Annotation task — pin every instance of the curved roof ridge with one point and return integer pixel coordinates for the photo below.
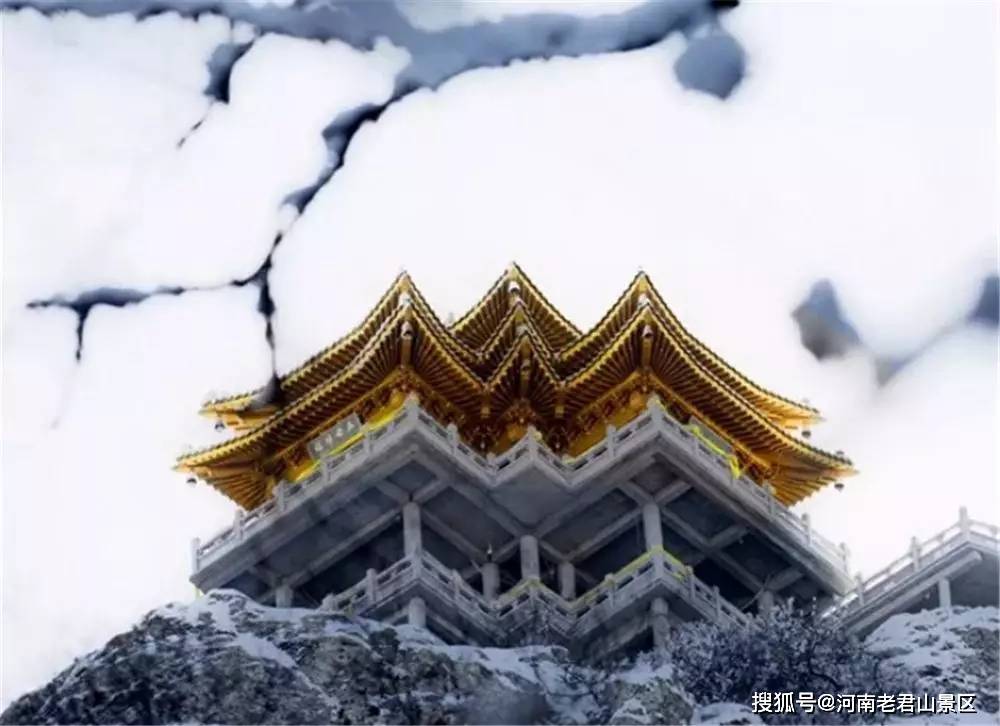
(807, 412)
(515, 274)
(460, 371)
(218, 405)
(707, 378)
(384, 329)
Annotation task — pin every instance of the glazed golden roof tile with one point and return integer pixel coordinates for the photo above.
(479, 323)
(512, 360)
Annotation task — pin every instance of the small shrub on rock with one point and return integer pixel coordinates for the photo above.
(787, 651)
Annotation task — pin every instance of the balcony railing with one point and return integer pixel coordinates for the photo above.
(512, 609)
(920, 557)
(492, 470)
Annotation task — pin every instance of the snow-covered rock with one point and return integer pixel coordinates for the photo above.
(951, 651)
(725, 714)
(646, 693)
(226, 659)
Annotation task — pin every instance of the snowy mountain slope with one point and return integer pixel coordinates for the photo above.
(952, 651)
(226, 659)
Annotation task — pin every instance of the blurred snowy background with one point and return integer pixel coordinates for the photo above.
(811, 185)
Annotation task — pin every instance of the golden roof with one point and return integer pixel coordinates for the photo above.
(512, 361)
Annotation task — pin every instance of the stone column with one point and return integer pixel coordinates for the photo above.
(859, 588)
(567, 580)
(530, 563)
(283, 596)
(964, 524)
(765, 602)
(491, 580)
(412, 538)
(658, 614)
(195, 547)
(944, 593)
(915, 553)
(651, 526)
(416, 613)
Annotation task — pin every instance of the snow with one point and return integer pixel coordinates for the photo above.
(218, 200)
(499, 660)
(100, 108)
(440, 15)
(716, 713)
(843, 155)
(677, 187)
(931, 638)
(932, 430)
(96, 525)
(214, 609)
(943, 719)
(89, 110)
(39, 348)
(645, 669)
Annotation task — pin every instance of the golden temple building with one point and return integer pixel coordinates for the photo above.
(513, 361)
(467, 477)
(510, 362)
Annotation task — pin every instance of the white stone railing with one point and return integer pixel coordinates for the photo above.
(490, 470)
(638, 577)
(920, 556)
(510, 610)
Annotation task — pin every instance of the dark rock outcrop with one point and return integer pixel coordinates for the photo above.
(226, 659)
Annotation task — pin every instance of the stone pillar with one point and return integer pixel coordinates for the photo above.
(658, 612)
(195, 554)
(845, 555)
(964, 524)
(530, 563)
(491, 580)
(283, 596)
(238, 524)
(416, 613)
(765, 603)
(651, 526)
(412, 538)
(567, 580)
(915, 552)
(944, 593)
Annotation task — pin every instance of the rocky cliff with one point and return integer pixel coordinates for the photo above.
(226, 659)
(951, 651)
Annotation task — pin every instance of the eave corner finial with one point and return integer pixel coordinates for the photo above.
(642, 281)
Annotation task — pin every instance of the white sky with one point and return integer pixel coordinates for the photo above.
(861, 147)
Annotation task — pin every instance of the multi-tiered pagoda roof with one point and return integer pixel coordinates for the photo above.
(512, 362)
